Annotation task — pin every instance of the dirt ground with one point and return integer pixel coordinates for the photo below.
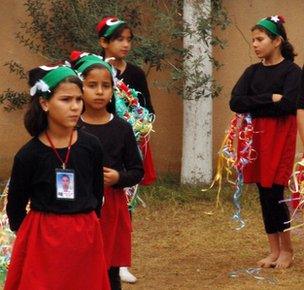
(178, 246)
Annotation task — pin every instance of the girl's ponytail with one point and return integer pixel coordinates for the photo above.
(287, 50)
(35, 119)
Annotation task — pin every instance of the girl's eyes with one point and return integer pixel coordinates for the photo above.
(257, 39)
(129, 39)
(92, 85)
(68, 99)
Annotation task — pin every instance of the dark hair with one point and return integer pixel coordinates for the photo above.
(65, 175)
(117, 33)
(35, 119)
(111, 105)
(286, 47)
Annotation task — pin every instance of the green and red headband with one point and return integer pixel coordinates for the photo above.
(51, 79)
(271, 24)
(108, 25)
(84, 60)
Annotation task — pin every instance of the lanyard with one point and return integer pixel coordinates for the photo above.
(67, 156)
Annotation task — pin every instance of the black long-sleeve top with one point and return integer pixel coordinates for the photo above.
(136, 79)
(33, 179)
(253, 91)
(120, 149)
(300, 103)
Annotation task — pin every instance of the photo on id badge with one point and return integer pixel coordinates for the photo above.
(65, 184)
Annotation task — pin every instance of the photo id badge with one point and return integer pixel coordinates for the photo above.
(65, 184)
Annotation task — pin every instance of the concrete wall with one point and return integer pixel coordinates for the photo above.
(167, 139)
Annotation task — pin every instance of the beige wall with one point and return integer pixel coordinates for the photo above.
(167, 139)
(12, 134)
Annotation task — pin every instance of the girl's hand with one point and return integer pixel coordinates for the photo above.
(276, 98)
(110, 176)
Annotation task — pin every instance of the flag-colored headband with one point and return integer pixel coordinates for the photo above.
(84, 60)
(50, 81)
(90, 59)
(271, 24)
(108, 25)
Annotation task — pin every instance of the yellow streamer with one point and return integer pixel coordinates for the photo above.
(224, 164)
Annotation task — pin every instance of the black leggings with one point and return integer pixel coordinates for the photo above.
(114, 278)
(275, 214)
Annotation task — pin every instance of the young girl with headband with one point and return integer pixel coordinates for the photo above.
(115, 39)
(268, 90)
(59, 243)
(122, 162)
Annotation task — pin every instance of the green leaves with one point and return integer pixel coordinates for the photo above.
(55, 27)
(13, 100)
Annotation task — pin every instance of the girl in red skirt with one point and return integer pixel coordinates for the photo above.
(269, 91)
(59, 244)
(122, 162)
(115, 39)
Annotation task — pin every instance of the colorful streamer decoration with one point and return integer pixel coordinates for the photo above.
(133, 198)
(127, 107)
(296, 186)
(235, 153)
(7, 237)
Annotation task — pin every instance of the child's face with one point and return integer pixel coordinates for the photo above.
(119, 47)
(65, 181)
(97, 89)
(263, 46)
(65, 105)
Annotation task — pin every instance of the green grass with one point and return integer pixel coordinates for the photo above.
(169, 189)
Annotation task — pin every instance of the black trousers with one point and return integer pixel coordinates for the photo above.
(114, 278)
(275, 214)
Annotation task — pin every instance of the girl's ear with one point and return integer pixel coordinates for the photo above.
(277, 41)
(103, 42)
(44, 104)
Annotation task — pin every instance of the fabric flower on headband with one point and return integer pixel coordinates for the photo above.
(40, 86)
(275, 18)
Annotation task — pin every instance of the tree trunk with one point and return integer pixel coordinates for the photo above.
(197, 118)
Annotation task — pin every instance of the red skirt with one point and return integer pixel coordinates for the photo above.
(150, 173)
(116, 228)
(58, 252)
(275, 143)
